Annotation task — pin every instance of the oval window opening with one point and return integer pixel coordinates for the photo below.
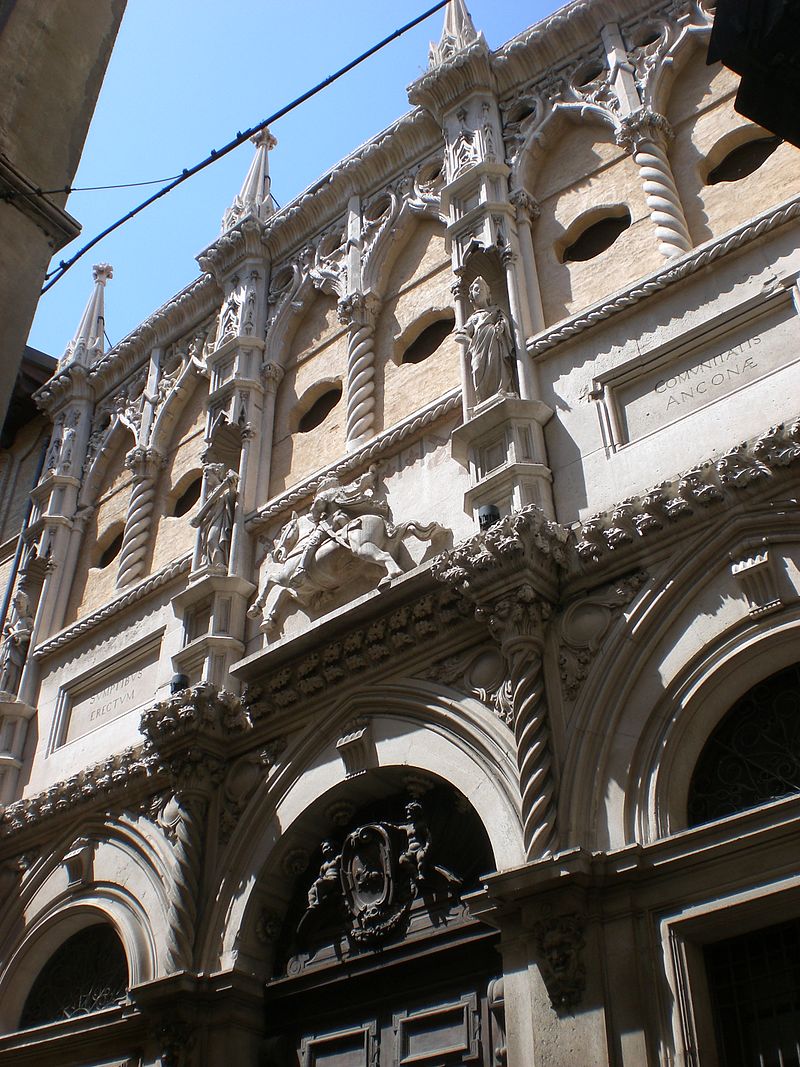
(743, 161)
(596, 238)
(189, 497)
(111, 551)
(431, 338)
(320, 409)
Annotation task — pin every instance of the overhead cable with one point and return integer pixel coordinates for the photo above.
(215, 154)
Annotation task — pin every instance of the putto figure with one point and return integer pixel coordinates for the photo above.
(215, 517)
(486, 335)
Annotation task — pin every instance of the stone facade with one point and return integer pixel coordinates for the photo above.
(386, 592)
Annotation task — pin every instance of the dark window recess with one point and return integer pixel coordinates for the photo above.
(189, 497)
(754, 983)
(596, 238)
(431, 338)
(320, 409)
(89, 972)
(753, 756)
(111, 551)
(744, 160)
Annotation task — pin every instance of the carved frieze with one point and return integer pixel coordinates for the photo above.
(688, 496)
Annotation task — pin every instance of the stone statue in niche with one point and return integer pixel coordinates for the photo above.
(345, 525)
(16, 638)
(380, 871)
(215, 517)
(486, 335)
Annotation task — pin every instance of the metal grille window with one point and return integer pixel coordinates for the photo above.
(754, 754)
(88, 972)
(754, 982)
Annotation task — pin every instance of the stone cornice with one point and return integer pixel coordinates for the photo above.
(98, 618)
(689, 264)
(194, 303)
(669, 509)
(523, 546)
(468, 71)
(247, 239)
(381, 446)
(369, 646)
(71, 383)
(18, 190)
(572, 29)
(409, 140)
(116, 776)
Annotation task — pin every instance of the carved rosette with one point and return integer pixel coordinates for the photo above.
(646, 135)
(357, 311)
(145, 464)
(517, 623)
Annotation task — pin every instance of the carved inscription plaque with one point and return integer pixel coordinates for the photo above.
(113, 693)
(708, 370)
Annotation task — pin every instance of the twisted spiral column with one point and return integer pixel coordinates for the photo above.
(646, 134)
(357, 311)
(145, 465)
(186, 873)
(534, 760)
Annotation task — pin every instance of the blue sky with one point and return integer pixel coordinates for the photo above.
(184, 77)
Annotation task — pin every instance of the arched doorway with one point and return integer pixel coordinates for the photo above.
(377, 961)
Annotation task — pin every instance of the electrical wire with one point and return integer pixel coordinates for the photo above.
(100, 188)
(64, 265)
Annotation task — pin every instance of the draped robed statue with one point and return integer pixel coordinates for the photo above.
(486, 335)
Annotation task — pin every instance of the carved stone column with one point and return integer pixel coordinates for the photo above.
(145, 464)
(272, 373)
(646, 135)
(510, 573)
(517, 623)
(190, 733)
(527, 211)
(357, 311)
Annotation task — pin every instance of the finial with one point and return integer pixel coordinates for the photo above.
(459, 32)
(88, 344)
(254, 197)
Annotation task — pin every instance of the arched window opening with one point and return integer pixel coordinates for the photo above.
(753, 756)
(744, 160)
(188, 497)
(88, 973)
(596, 238)
(320, 409)
(110, 549)
(431, 338)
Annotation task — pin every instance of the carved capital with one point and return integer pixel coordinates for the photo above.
(272, 374)
(191, 732)
(517, 620)
(144, 462)
(527, 207)
(643, 125)
(358, 309)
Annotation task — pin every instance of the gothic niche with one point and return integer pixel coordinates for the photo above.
(395, 872)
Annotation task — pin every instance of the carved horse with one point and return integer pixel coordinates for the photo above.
(293, 573)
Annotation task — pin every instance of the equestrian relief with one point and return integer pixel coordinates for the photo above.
(346, 536)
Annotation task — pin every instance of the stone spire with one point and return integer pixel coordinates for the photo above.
(88, 344)
(459, 32)
(254, 197)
